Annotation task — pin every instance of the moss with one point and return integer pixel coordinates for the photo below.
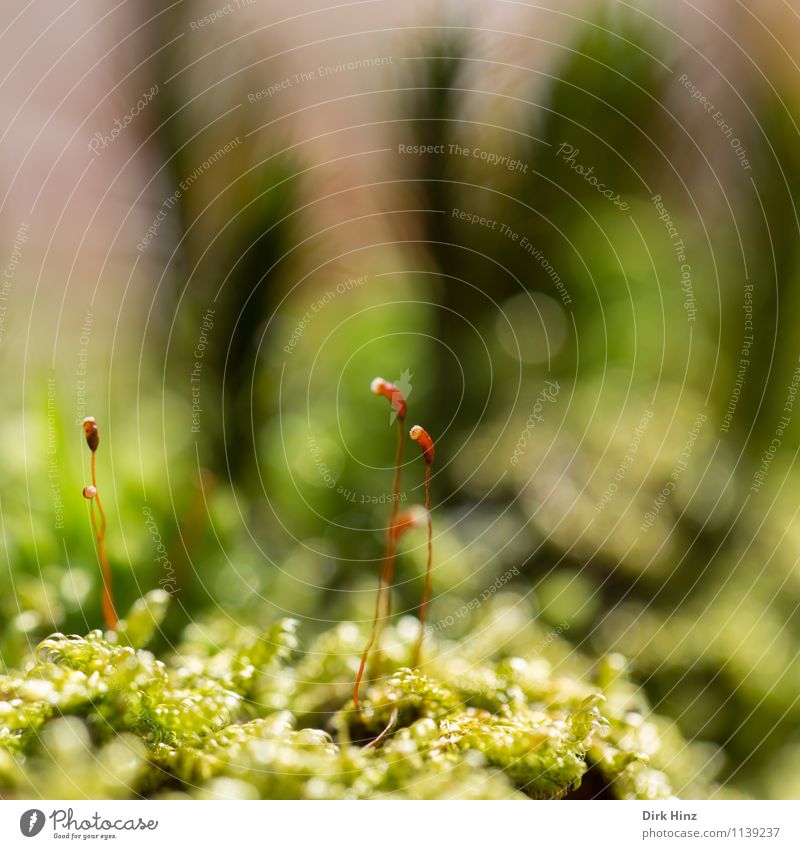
(256, 718)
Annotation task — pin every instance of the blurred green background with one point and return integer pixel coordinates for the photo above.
(590, 278)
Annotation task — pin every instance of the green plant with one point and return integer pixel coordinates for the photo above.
(495, 718)
(241, 720)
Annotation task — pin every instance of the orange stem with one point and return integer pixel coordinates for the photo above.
(391, 545)
(386, 572)
(371, 640)
(423, 610)
(109, 612)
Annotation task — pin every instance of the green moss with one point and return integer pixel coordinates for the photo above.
(234, 712)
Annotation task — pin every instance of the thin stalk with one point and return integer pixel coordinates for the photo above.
(372, 635)
(386, 573)
(109, 613)
(422, 437)
(373, 744)
(391, 543)
(92, 435)
(426, 595)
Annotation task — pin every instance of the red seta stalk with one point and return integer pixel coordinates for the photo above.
(408, 519)
(387, 569)
(92, 495)
(388, 390)
(421, 436)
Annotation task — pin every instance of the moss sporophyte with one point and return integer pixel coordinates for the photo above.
(234, 710)
(388, 390)
(399, 523)
(421, 436)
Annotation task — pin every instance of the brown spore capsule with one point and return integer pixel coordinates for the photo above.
(91, 433)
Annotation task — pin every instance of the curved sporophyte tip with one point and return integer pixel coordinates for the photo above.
(388, 390)
(421, 436)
